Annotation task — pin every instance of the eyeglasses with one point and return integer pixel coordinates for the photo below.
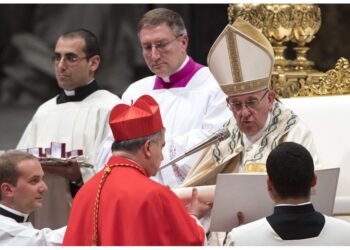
(161, 47)
(70, 59)
(250, 104)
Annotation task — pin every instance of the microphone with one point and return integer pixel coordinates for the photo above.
(218, 136)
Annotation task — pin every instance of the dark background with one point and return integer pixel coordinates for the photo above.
(28, 33)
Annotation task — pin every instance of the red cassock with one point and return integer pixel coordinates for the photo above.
(133, 211)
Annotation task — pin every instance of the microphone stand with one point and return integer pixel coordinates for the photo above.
(218, 136)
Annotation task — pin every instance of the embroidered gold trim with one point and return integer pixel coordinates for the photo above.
(231, 89)
(235, 64)
(97, 206)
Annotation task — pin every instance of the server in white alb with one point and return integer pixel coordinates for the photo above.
(290, 170)
(78, 116)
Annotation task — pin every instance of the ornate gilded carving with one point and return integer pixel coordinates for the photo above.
(335, 82)
(307, 22)
(297, 23)
(248, 12)
(278, 25)
(278, 22)
(307, 18)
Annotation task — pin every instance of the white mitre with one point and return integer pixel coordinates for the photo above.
(241, 59)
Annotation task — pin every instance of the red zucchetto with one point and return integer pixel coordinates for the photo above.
(140, 119)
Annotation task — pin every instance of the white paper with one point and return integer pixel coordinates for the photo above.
(57, 150)
(37, 152)
(247, 192)
(205, 193)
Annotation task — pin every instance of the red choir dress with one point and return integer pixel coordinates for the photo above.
(133, 210)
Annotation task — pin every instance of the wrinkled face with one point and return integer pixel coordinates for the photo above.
(72, 68)
(251, 110)
(29, 190)
(156, 155)
(162, 50)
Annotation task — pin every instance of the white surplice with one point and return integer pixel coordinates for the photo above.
(13, 233)
(190, 114)
(260, 233)
(81, 125)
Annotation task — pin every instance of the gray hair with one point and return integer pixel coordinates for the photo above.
(135, 144)
(158, 16)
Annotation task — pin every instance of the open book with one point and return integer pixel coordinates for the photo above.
(247, 192)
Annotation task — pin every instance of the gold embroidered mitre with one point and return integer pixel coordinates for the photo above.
(241, 59)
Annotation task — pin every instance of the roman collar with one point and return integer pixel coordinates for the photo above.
(77, 94)
(181, 78)
(296, 222)
(11, 213)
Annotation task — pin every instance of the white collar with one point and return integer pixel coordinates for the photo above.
(167, 78)
(301, 204)
(72, 92)
(15, 211)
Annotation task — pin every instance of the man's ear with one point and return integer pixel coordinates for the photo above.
(147, 148)
(314, 180)
(7, 190)
(272, 95)
(94, 62)
(184, 41)
(271, 189)
(268, 184)
(271, 98)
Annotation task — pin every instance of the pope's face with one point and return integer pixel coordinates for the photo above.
(163, 51)
(253, 112)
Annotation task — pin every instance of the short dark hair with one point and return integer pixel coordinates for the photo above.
(8, 165)
(290, 168)
(135, 144)
(158, 16)
(92, 47)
